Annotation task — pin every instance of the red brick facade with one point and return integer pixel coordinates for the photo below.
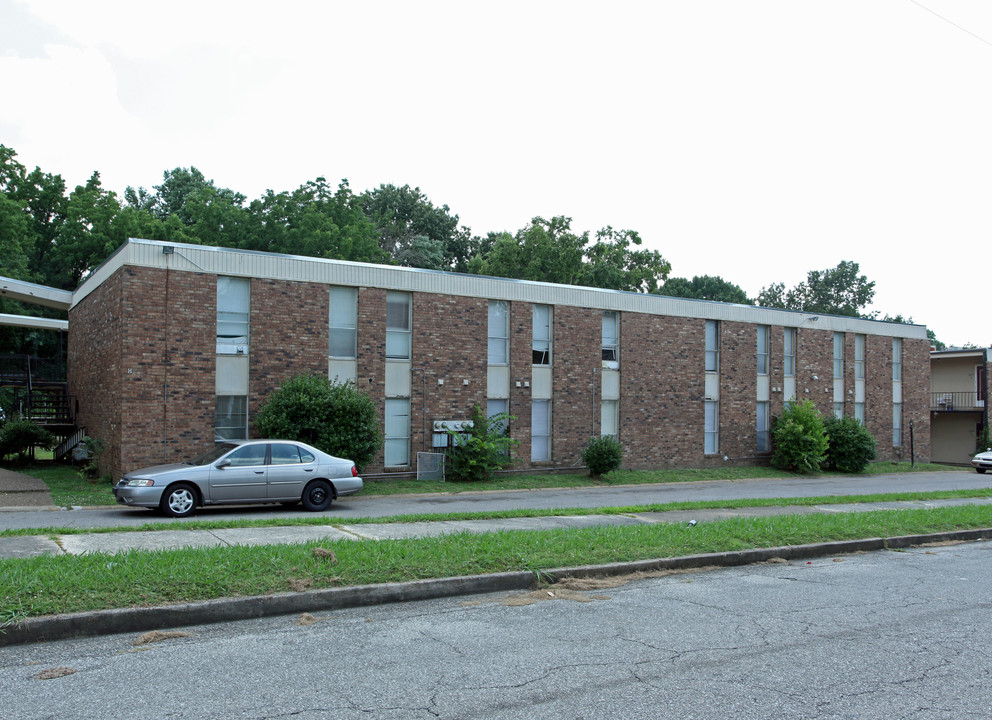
(142, 356)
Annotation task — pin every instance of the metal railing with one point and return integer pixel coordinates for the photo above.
(956, 401)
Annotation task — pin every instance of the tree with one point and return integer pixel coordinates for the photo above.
(705, 287)
(179, 186)
(403, 214)
(549, 251)
(332, 416)
(834, 291)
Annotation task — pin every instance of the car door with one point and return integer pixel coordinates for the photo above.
(240, 475)
(290, 469)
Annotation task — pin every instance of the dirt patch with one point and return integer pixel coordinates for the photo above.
(53, 673)
(325, 554)
(942, 543)
(300, 584)
(308, 619)
(159, 636)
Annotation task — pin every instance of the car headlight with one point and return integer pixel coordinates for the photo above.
(140, 482)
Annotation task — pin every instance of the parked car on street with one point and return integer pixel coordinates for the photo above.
(242, 471)
(982, 461)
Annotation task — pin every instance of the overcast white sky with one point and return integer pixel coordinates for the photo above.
(751, 139)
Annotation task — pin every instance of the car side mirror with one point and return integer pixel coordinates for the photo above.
(223, 463)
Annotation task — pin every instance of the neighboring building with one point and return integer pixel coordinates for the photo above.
(173, 345)
(959, 410)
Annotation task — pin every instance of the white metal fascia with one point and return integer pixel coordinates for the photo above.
(33, 322)
(244, 263)
(35, 294)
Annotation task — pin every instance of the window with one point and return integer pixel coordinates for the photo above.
(609, 418)
(248, 456)
(789, 352)
(284, 454)
(496, 407)
(397, 432)
(542, 335)
(540, 430)
(712, 346)
(764, 439)
(711, 444)
(859, 412)
(839, 410)
(342, 339)
(233, 298)
(499, 332)
(762, 349)
(896, 424)
(859, 357)
(611, 340)
(398, 325)
(231, 417)
(896, 359)
(838, 356)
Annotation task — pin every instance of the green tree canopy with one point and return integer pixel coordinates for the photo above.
(834, 291)
(705, 287)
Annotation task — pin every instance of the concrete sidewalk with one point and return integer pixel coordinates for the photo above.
(20, 490)
(116, 542)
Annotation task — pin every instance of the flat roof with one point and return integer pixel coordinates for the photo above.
(244, 263)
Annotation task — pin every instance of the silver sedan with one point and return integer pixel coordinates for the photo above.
(982, 461)
(242, 471)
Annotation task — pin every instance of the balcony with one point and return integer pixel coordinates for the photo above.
(956, 402)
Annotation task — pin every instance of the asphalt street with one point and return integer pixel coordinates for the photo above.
(871, 636)
(361, 506)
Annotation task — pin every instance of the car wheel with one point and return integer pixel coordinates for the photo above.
(980, 471)
(317, 496)
(179, 500)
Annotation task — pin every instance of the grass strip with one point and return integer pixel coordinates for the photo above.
(68, 488)
(71, 583)
(324, 519)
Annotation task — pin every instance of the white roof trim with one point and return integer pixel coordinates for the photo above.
(225, 261)
(35, 294)
(33, 322)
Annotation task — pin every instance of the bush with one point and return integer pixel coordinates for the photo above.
(480, 450)
(851, 446)
(602, 455)
(18, 437)
(799, 440)
(332, 416)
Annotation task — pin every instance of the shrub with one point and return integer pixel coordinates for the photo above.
(602, 455)
(799, 439)
(480, 450)
(332, 416)
(851, 446)
(18, 437)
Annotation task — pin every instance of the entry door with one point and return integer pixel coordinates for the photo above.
(243, 479)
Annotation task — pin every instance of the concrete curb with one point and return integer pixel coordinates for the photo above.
(106, 622)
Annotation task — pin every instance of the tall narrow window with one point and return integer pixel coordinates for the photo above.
(397, 432)
(499, 332)
(542, 335)
(764, 440)
(233, 298)
(231, 417)
(838, 356)
(711, 443)
(896, 424)
(789, 352)
(609, 418)
(712, 346)
(896, 359)
(398, 325)
(540, 429)
(897, 392)
(343, 323)
(611, 340)
(762, 349)
(859, 357)
(859, 412)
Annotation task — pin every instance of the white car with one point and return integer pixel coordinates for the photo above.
(242, 471)
(982, 461)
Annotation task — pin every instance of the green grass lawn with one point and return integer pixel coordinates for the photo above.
(70, 583)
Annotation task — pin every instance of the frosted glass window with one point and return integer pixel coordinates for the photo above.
(763, 427)
(499, 332)
(789, 352)
(609, 418)
(897, 424)
(540, 428)
(398, 325)
(343, 323)
(897, 358)
(762, 349)
(859, 357)
(838, 356)
(233, 298)
(397, 432)
(712, 346)
(712, 428)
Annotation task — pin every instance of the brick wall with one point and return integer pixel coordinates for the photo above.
(738, 389)
(576, 361)
(815, 368)
(521, 336)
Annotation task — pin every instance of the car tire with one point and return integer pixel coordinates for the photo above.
(980, 471)
(317, 496)
(179, 500)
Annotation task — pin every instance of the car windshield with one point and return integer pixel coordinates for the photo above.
(213, 453)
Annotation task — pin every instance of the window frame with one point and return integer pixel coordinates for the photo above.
(541, 347)
(493, 333)
(231, 315)
(789, 352)
(763, 354)
(347, 296)
(611, 343)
